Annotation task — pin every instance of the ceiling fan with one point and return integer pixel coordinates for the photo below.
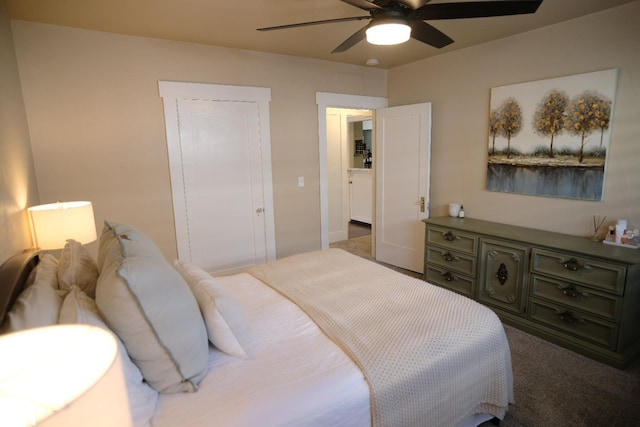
(408, 17)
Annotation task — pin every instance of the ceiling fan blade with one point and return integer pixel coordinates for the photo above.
(363, 4)
(306, 24)
(476, 9)
(356, 38)
(428, 34)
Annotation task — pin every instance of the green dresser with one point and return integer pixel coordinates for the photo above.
(580, 294)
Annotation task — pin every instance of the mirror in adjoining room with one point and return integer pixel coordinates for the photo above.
(362, 150)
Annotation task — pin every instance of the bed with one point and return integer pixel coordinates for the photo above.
(315, 339)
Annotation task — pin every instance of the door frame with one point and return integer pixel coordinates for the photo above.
(326, 100)
(171, 92)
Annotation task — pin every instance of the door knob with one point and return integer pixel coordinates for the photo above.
(422, 204)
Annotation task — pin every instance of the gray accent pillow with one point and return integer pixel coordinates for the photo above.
(140, 242)
(146, 302)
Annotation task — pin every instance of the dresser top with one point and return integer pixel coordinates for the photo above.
(547, 239)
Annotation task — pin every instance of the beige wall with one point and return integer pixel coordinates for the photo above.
(97, 126)
(97, 129)
(18, 188)
(459, 83)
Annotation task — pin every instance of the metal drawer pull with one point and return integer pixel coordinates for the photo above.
(573, 265)
(572, 292)
(449, 236)
(448, 257)
(568, 317)
(448, 276)
(502, 274)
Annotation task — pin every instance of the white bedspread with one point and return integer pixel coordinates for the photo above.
(431, 357)
(298, 377)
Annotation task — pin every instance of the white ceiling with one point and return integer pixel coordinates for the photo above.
(233, 23)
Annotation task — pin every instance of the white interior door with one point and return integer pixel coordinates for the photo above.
(402, 162)
(221, 181)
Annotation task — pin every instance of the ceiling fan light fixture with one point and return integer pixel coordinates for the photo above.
(389, 32)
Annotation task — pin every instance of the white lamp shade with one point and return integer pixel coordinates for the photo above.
(64, 375)
(388, 33)
(52, 224)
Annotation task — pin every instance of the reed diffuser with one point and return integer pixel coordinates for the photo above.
(597, 223)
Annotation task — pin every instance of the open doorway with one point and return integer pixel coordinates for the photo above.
(332, 177)
(350, 176)
(360, 184)
(401, 177)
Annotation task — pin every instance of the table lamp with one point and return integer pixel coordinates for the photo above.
(63, 375)
(52, 224)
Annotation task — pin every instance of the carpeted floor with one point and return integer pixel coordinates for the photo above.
(361, 246)
(553, 386)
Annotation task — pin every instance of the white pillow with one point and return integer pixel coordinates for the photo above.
(78, 308)
(151, 309)
(227, 326)
(76, 267)
(39, 304)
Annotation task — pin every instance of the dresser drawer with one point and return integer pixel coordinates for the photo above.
(574, 322)
(448, 279)
(452, 239)
(452, 260)
(576, 269)
(576, 296)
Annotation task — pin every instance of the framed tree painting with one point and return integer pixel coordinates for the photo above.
(550, 137)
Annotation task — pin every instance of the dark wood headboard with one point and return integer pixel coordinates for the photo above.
(13, 276)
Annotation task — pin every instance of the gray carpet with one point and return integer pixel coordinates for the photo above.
(553, 386)
(361, 246)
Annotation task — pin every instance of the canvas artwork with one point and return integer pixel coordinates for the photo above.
(550, 137)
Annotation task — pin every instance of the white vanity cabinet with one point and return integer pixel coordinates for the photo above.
(360, 195)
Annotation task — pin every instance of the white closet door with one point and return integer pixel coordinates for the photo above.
(221, 190)
(222, 183)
